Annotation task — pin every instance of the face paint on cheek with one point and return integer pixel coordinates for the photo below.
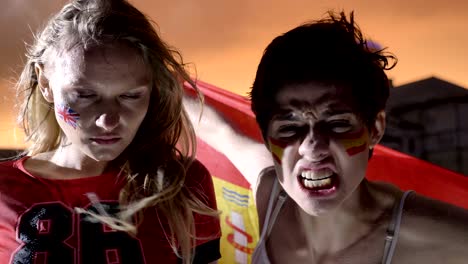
(277, 148)
(355, 142)
(68, 115)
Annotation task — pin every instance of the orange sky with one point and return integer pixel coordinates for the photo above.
(225, 39)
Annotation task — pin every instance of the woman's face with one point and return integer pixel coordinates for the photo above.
(100, 96)
(320, 146)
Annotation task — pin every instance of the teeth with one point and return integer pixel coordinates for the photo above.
(317, 179)
(316, 175)
(316, 183)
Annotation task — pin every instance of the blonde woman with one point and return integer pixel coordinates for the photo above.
(109, 175)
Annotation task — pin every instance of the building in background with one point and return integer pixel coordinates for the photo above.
(428, 119)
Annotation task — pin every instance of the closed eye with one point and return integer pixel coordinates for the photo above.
(339, 126)
(132, 96)
(85, 95)
(289, 131)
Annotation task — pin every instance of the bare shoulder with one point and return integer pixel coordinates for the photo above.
(436, 228)
(263, 190)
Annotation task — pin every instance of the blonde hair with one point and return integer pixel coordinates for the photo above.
(153, 178)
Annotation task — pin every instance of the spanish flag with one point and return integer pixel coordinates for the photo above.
(239, 220)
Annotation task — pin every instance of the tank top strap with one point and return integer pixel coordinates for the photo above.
(272, 210)
(393, 229)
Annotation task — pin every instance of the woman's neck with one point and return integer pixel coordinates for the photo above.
(353, 221)
(65, 163)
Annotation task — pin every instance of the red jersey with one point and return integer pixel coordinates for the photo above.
(38, 223)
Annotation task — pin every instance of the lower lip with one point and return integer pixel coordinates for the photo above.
(319, 192)
(106, 141)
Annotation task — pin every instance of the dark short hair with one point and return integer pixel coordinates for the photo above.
(328, 51)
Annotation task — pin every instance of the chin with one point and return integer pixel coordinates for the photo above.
(105, 158)
(318, 208)
(104, 155)
(317, 205)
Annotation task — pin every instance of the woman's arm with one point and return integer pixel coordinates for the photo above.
(247, 155)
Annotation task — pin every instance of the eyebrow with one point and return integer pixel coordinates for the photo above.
(85, 85)
(138, 88)
(333, 109)
(337, 111)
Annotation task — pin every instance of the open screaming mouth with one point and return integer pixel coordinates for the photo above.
(322, 179)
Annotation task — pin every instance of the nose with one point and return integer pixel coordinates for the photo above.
(314, 147)
(108, 120)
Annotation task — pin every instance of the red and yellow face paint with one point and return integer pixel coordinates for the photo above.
(277, 148)
(354, 142)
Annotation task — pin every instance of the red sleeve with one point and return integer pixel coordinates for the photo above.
(200, 183)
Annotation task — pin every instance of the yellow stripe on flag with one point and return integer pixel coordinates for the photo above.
(239, 222)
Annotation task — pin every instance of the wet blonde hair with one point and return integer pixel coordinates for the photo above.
(153, 178)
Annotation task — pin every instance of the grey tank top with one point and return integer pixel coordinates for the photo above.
(260, 255)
